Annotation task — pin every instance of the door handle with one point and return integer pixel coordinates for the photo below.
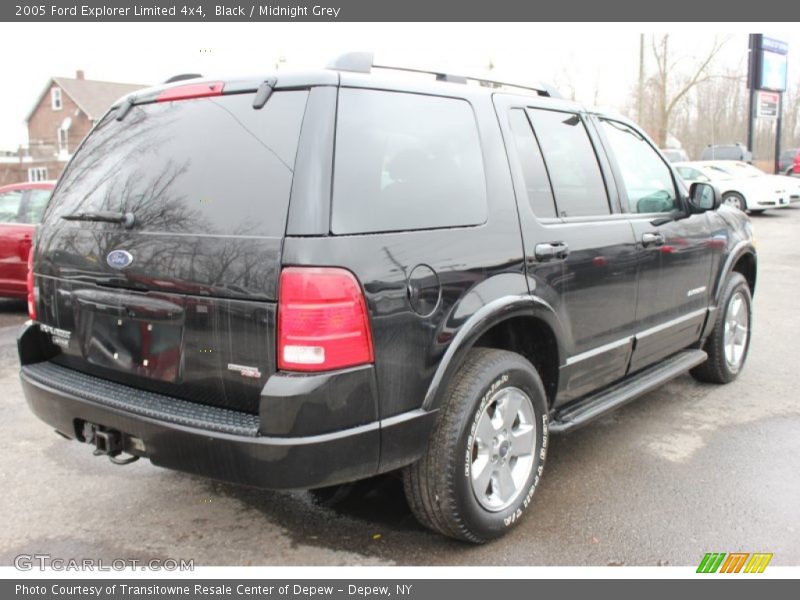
(652, 239)
(551, 251)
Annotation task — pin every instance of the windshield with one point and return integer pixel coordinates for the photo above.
(741, 169)
(210, 166)
(717, 172)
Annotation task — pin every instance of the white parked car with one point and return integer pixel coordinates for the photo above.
(791, 185)
(742, 190)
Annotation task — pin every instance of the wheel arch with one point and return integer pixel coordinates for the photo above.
(741, 259)
(747, 266)
(523, 323)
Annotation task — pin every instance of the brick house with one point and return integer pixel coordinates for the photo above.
(63, 114)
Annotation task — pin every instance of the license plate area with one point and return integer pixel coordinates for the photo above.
(142, 337)
(135, 346)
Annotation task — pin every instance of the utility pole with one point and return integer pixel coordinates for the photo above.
(640, 95)
(752, 85)
(778, 125)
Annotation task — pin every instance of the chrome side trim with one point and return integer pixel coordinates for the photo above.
(658, 328)
(599, 350)
(641, 334)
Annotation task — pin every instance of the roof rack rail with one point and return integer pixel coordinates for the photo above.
(363, 62)
(183, 77)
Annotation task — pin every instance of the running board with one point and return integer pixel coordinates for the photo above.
(598, 404)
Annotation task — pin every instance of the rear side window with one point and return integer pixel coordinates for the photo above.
(207, 166)
(537, 184)
(571, 162)
(406, 161)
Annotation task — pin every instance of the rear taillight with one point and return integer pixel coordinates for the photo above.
(194, 90)
(33, 292)
(322, 320)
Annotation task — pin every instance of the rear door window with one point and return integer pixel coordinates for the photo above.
(537, 183)
(207, 166)
(571, 161)
(406, 161)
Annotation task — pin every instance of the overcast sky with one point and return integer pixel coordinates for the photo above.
(596, 59)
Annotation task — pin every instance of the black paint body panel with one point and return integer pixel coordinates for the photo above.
(613, 306)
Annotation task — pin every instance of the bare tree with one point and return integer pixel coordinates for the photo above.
(669, 89)
(790, 134)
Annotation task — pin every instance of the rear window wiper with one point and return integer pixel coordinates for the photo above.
(123, 218)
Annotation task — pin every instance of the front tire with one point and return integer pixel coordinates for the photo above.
(736, 200)
(729, 342)
(486, 454)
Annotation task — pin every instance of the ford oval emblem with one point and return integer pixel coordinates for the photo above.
(119, 259)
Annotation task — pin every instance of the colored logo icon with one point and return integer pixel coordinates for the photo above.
(734, 562)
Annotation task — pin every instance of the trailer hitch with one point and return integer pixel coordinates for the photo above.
(106, 442)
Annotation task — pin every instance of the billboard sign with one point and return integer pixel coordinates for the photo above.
(768, 63)
(767, 104)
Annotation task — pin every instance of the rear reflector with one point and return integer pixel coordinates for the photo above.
(32, 291)
(194, 90)
(323, 322)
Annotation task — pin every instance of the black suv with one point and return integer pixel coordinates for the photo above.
(303, 280)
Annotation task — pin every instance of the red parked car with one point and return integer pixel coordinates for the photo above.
(796, 167)
(21, 208)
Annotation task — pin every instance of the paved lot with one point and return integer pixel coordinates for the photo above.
(685, 470)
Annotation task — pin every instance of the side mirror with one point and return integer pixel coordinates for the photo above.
(704, 196)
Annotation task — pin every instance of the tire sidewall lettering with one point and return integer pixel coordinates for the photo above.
(515, 512)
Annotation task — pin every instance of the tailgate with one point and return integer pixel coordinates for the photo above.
(179, 299)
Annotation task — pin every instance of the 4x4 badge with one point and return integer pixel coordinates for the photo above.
(119, 259)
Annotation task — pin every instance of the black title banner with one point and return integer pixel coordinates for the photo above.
(398, 10)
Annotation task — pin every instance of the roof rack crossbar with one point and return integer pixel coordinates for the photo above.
(363, 62)
(183, 77)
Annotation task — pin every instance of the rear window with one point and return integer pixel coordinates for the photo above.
(36, 203)
(209, 166)
(9, 206)
(723, 153)
(406, 161)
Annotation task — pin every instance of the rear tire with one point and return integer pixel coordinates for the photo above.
(486, 454)
(729, 342)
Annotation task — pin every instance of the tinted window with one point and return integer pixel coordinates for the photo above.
(9, 206)
(406, 161)
(575, 174)
(202, 166)
(537, 184)
(35, 205)
(723, 153)
(647, 179)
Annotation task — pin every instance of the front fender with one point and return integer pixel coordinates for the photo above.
(737, 251)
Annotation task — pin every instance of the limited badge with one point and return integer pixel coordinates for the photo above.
(245, 371)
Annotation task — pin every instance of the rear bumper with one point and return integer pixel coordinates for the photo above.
(218, 443)
(261, 461)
